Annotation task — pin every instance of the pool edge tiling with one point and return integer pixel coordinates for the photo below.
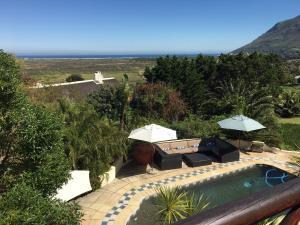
(128, 202)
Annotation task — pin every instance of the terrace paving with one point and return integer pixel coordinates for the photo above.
(117, 201)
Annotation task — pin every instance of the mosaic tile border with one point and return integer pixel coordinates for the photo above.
(127, 196)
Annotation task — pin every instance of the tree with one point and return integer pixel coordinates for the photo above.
(74, 77)
(88, 139)
(26, 206)
(105, 102)
(123, 99)
(196, 78)
(31, 137)
(158, 101)
(32, 161)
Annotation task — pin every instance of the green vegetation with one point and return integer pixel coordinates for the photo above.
(158, 101)
(42, 138)
(282, 39)
(228, 85)
(57, 70)
(91, 142)
(74, 77)
(288, 104)
(33, 163)
(290, 130)
(26, 206)
(175, 204)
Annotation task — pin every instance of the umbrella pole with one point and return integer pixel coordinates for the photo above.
(240, 140)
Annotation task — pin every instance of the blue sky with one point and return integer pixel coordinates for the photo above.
(137, 26)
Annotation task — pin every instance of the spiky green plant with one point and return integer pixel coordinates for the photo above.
(272, 220)
(196, 204)
(171, 203)
(175, 204)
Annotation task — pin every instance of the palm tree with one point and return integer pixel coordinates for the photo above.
(81, 124)
(239, 97)
(88, 139)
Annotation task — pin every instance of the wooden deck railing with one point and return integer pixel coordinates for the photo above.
(254, 208)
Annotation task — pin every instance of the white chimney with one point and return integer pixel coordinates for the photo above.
(99, 77)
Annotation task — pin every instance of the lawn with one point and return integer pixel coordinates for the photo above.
(290, 129)
(57, 70)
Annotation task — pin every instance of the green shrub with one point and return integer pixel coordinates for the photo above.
(91, 142)
(174, 204)
(74, 77)
(31, 137)
(288, 104)
(105, 102)
(290, 134)
(23, 205)
(194, 127)
(158, 101)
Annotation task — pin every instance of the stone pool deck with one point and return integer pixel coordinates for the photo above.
(117, 201)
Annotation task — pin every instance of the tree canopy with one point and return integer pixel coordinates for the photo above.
(33, 164)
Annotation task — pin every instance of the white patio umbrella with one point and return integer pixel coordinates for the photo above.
(153, 133)
(240, 123)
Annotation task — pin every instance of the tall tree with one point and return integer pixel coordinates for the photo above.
(32, 161)
(123, 99)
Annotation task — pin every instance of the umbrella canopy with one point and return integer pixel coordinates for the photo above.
(153, 133)
(241, 123)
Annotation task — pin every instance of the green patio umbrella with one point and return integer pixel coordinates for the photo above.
(240, 123)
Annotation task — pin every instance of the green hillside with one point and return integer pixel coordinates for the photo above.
(282, 39)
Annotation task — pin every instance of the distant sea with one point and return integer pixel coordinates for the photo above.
(100, 56)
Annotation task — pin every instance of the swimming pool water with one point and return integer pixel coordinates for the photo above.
(220, 190)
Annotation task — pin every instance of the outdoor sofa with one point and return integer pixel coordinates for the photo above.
(168, 154)
(220, 149)
(195, 152)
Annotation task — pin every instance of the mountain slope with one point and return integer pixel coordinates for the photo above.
(282, 39)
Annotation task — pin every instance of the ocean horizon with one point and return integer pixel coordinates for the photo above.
(105, 56)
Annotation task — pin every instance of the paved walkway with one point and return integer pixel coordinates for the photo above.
(117, 201)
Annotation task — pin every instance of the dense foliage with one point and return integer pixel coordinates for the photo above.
(112, 102)
(227, 85)
(91, 142)
(197, 77)
(74, 77)
(31, 150)
(193, 126)
(104, 102)
(158, 101)
(23, 205)
(288, 104)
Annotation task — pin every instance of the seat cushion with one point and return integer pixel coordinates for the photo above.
(196, 159)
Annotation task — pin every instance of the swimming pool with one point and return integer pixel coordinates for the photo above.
(220, 189)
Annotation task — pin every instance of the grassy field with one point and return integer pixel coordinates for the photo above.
(57, 70)
(290, 129)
